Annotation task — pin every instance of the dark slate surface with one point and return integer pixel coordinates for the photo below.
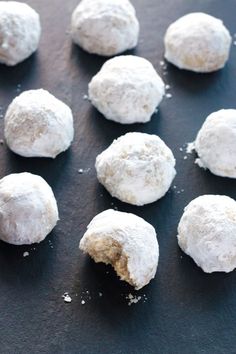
(186, 310)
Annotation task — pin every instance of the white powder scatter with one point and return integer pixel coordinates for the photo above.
(162, 63)
(167, 87)
(18, 88)
(181, 149)
(25, 254)
(174, 187)
(133, 299)
(82, 302)
(185, 157)
(100, 294)
(190, 147)
(50, 243)
(86, 97)
(82, 171)
(169, 95)
(66, 297)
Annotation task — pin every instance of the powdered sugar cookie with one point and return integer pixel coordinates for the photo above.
(137, 168)
(28, 211)
(20, 32)
(197, 42)
(127, 90)
(37, 124)
(207, 233)
(105, 27)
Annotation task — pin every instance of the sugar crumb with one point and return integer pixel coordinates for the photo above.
(86, 97)
(133, 299)
(66, 297)
(190, 147)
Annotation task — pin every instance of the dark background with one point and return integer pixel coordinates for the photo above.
(186, 310)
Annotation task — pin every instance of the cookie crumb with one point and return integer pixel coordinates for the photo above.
(66, 297)
(133, 299)
(190, 147)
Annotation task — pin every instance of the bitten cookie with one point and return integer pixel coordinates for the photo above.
(125, 241)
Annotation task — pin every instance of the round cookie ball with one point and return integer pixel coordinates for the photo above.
(28, 211)
(197, 42)
(207, 233)
(127, 90)
(125, 241)
(216, 143)
(37, 124)
(137, 168)
(105, 27)
(20, 32)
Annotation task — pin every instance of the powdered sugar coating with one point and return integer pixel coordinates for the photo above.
(105, 27)
(137, 168)
(20, 32)
(207, 233)
(37, 124)
(28, 209)
(216, 143)
(197, 42)
(114, 236)
(127, 90)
